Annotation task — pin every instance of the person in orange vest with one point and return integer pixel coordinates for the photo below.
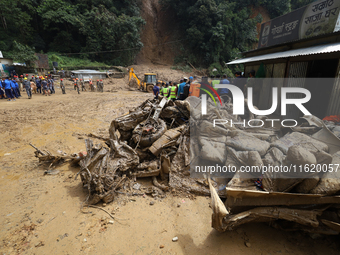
(194, 88)
(74, 84)
(91, 85)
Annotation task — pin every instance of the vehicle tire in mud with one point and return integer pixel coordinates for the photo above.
(149, 88)
(147, 139)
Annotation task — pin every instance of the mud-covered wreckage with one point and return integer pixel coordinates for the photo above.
(154, 141)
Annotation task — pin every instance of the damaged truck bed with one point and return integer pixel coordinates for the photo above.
(162, 140)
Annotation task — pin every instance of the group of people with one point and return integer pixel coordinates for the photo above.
(191, 87)
(77, 83)
(11, 87)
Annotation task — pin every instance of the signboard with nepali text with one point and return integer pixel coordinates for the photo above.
(317, 18)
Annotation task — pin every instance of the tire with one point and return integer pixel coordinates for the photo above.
(149, 88)
(148, 139)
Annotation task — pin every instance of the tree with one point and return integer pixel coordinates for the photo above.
(23, 54)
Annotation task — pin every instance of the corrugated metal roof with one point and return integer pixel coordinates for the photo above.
(87, 72)
(319, 49)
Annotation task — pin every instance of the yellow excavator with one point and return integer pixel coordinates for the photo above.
(150, 80)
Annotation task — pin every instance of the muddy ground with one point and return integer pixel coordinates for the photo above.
(42, 214)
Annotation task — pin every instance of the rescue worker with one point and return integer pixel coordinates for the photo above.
(74, 84)
(21, 86)
(33, 87)
(27, 86)
(82, 83)
(180, 92)
(77, 85)
(101, 84)
(224, 93)
(15, 88)
(2, 88)
(166, 90)
(52, 86)
(38, 83)
(216, 81)
(91, 85)
(195, 88)
(8, 89)
(62, 86)
(45, 87)
(156, 90)
(98, 89)
(173, 92)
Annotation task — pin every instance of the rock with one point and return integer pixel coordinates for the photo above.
(178, 205)
(161, 246)
(175, 239)
(40, 221)
(136, 186)
(104, 204)
(247, 244)
(85, 240)
(111, 222)
(39, 244)
(152, 202)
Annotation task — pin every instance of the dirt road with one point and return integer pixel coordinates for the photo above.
(42, 214)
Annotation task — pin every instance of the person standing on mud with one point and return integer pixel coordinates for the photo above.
(166, 90)
(172, 91)
(21, 85)
(156, 90)
(77, 85)
(45, 88)
(52, 86)
(98, 89)
(91, 85)
(8, 89)
(2, 88)
(15, 87)
(38, 83)
(82, 83)
(101, 86)
(62, 86)
(27, 86)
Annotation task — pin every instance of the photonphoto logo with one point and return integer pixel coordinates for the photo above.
(239, 105)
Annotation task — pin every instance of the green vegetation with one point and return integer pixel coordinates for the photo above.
(216, 31)
(23, 54)
(73, 26)
(213, 30)
(66, 62)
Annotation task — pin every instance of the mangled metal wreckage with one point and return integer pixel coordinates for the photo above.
(161, 139)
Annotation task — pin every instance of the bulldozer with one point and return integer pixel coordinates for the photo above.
(147, 84)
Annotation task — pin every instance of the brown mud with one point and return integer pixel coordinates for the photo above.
(42, 214)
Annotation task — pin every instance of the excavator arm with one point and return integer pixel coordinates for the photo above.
(132, 74)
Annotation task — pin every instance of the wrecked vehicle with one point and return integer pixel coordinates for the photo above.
(165, 140)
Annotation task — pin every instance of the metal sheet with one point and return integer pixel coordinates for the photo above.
(319, 49)
(334, 103)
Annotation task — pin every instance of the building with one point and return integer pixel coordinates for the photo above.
(6, 66)
(302, 44)
(88, 74)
